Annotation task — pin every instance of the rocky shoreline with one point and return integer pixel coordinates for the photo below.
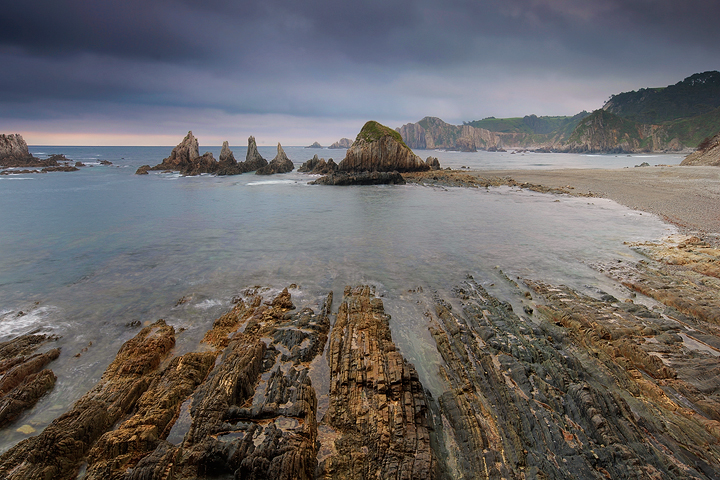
(569, 386)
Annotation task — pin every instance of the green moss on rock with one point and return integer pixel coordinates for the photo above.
(373, 131)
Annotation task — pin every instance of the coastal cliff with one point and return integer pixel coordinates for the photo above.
(708, 153)
(14, 153)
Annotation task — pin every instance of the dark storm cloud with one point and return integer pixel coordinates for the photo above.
(320, 58)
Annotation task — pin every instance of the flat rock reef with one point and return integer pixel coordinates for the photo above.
(569, 385)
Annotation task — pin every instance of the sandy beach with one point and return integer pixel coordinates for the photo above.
(686, 196)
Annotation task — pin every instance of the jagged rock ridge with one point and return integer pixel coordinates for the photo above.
(280, 164)
(186, 159)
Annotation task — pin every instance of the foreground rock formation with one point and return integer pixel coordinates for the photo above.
(707, 153)
(378, 409)
(280, 164)
(23, 376)
(569, 384)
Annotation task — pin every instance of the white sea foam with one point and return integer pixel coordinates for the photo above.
(209, 303)
(272, 182)
(13, 323)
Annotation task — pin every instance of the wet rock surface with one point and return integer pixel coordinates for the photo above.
(23, 376)
(577, 393)
(378, 407)
(569, 385)
(60, 449)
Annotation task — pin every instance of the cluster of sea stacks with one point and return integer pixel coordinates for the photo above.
(571, 386)
(378, 156)
(186, 159)
(14, 154)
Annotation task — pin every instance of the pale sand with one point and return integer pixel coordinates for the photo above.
(686, 196)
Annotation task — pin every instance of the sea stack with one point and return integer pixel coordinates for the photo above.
(707, 153)
(378, 148)
(182, 155)
(280, 164)
(377, 157)
(253, 159)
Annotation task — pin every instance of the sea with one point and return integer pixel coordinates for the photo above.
(88, 256)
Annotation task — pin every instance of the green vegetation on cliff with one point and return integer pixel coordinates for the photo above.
(530, 124)
(696, 95)
(373, 131)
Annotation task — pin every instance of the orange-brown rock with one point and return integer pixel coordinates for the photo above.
(58, 451)
(24, 379)
(377, 404)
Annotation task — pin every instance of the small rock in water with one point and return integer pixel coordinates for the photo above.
(26, 429)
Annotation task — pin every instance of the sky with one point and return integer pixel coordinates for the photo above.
(144, 72)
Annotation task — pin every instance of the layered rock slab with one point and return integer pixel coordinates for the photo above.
(378, 407)
(23, 376)
(551, 399)
(59, 450)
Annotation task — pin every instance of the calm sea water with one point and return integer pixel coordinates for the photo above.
(83, 254)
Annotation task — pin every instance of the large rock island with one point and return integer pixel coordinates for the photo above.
(377, 156)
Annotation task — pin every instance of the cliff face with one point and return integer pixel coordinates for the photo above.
(378, 148)
(708, 153)
(605, 132)
(431, 133)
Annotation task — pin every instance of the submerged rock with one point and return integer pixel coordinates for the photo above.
(280, 164)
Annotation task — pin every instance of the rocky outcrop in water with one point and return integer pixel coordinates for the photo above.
(378, 156)
(14, 153)
(707, 153)
(380, 149)
(360, 178)
(342, 143)
(314, 145)
(318, 166)
(253, 159)
(23, 376)
(378, 411)
(280, 164)
(182, 156)
(433, 163)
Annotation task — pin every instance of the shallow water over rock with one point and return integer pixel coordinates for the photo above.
(103, 252)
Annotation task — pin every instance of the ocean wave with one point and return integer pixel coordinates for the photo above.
(209, 303)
